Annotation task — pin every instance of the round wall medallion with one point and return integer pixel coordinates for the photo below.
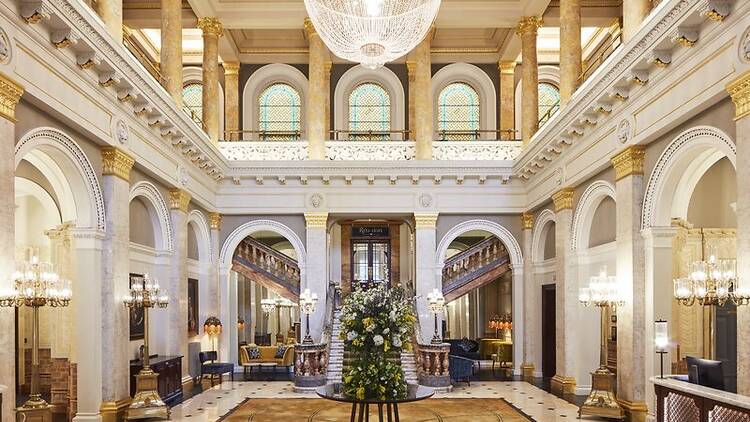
(744, 46)
(623, 131)
(5, 49)
(425, 200)
(182, 176)
(121, 133)
(316, 200)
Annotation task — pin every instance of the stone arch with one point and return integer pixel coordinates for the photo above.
(477, 79)
(679, 169)
(262, 78)
(200, 225)
(548, 74)
(70, 173)
(160, 219)
(505, 236)
(191, 74)
(594, 194)
(247, 229)
(540, 231)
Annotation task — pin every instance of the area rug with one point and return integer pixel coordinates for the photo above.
(431, 410)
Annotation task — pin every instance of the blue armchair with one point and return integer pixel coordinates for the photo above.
(210, 367)
(460, 368)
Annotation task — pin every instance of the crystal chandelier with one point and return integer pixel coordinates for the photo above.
(372, 32)
(711, 282)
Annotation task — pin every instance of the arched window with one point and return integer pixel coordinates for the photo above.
(192, 100)
(549, 101)
(279, 114)
(369, 113)
(458, 112)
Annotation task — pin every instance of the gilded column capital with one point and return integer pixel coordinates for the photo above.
(411, 69)
(231, 68)
(629, 161)
(529, 25)
(210, 26)
(214, 221)
(425, 220)
(563, 199)
(316, 220)
(527, 221)
(739, 90)
(116, 162)
(327, 66)
(10, 95)
(179, 199)
(309, 27)
(507, 67)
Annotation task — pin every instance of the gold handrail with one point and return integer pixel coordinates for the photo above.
(602, 52)
(348, 135)
(140, 55)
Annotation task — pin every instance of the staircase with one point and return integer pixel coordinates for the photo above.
(336, 350)
(481, 264)
(409, 365)
(268, 267)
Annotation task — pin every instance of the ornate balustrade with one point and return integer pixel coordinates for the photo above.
(433, 364)
(310, 366)
(472, 263)
(680, 401)
(261, 258)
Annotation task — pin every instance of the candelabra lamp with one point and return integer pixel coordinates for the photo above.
(35, 284)
(711, 282)
(436, 303)
(268, 306)
(145, 293)
(307, 302)
(602, 292)
(661, 342)
(213, 328)
(281, 303)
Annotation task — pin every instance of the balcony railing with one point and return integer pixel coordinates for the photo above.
(606, 47)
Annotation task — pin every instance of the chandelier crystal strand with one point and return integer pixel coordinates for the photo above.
(372, 32)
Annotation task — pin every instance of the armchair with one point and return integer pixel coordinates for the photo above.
(210, 367)
(460, 368)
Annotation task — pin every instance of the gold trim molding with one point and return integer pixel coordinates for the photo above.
(214, 220)
(231, 68)
(179, 200)
(507, 67)
(10, 95)
(316, 220)
(636, 410)
(425, 220)
(529, 25)
(563, 199)
(527, 222)
(629, 161)
(739, 90)
(116, 162)
(210, 26)
(113, 411)
(560, 384)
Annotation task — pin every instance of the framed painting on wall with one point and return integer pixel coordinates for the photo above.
(192, 322)
(136, 316)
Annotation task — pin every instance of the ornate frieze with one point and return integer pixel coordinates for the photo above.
(527, 221)
(115, 162)
(739, 90)
(629, 161)
(263, 151)
(214, 220)
(425, 220)
(10, 95)
(370, 150)
(316, 220)
(476, 150)
(179, 200)
(563, 199)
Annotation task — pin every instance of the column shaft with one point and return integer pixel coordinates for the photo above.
(177, 286)
(327, 79)
(411, 69)
(316, 274)
(527, 30)
(507, 99)
(570, 48)
(427, 279)
(424, 130)
(531, 315)
(170, 64)
(231, 101)
(633, 14)
(316, 95)
(214, 221)
(212, 30)
(111, 13)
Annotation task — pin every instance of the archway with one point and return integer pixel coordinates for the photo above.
(479, 81)
(542, 297)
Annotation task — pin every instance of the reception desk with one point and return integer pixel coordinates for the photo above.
(681, 401)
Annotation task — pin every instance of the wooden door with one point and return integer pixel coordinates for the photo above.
(549, 344)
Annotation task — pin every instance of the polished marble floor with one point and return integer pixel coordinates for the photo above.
(219, 400)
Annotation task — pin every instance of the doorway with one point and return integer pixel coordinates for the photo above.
(725, 339)
(549, 343)
(370, 256)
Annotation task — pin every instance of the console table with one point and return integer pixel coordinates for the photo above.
(169, 369)
(681, 401)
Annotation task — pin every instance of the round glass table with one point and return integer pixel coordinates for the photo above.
(361, 408)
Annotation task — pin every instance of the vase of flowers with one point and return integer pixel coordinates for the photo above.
(376, 325)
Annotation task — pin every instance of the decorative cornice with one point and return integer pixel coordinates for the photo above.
(10, 95)
(179, 200)
(210, 26)
(739, 90)
(231, 68)
(115, 162)
(527, 221)
(629, 161)
(507, 67)
(214, 220)
(563, 199)
(425, 220)
(316, 220)
(528, 25)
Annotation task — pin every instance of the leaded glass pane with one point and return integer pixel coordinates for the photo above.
(192, 101)
(458, 113)
(279, 113)
(549, 101)
(369, 113)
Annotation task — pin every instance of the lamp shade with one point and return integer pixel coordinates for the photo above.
(212, 326)
(661, 335)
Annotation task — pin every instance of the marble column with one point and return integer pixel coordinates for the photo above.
(531, 315)
(61, 257)
(315, 130)
(411, 69)
(570, 48)
(232, 100)
(212, 31)
(10, 95)
(424, 123)
(633, 14)
(315, 275)
(214, 224)
(566, 300)
(527, 29)
(739, 89)
(427, 279)
(176, 329)
(116, 166)
(631, 277)
(327, 78)
(111, 13)
(507, 99)
(170, 54)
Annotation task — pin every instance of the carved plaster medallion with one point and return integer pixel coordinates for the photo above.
(182, 176)
(623, 131)
(121, 133)
(5, 49)
(744, 46)
(425, 200)
(559, 176)
(316, 200)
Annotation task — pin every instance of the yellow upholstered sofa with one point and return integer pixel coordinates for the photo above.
(267, 354)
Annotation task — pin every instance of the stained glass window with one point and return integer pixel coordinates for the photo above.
(280, 113)
(192, 100)
(369, 113)
(458, 112)
(549, 101)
